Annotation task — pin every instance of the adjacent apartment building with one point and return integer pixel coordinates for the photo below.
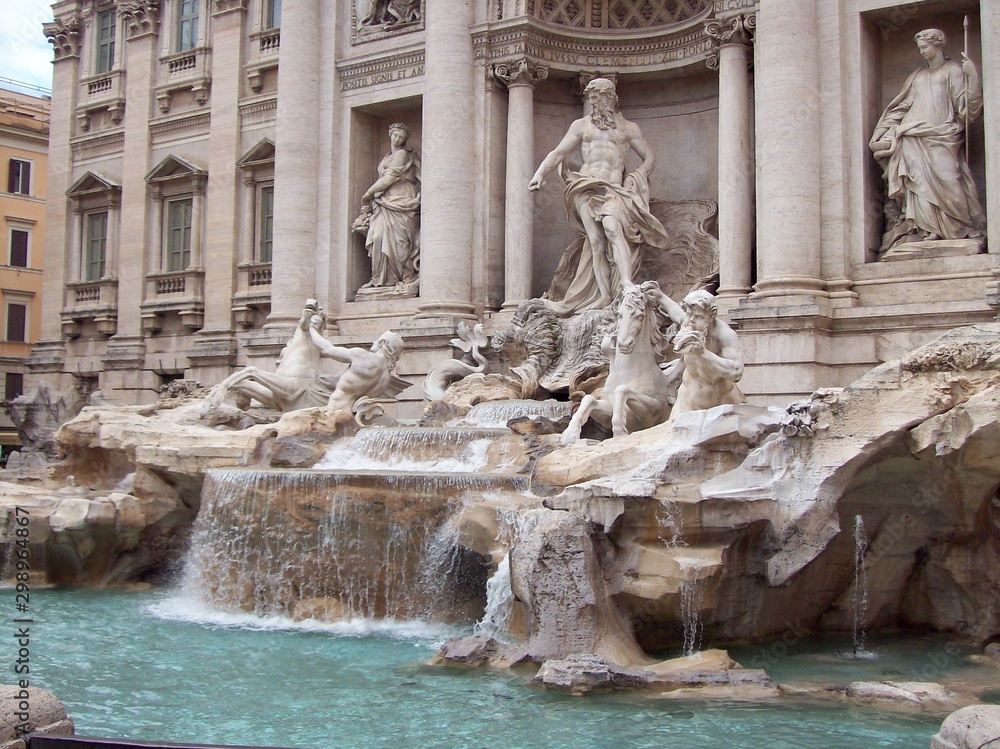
(24, 139)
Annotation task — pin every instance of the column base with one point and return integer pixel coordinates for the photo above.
(446, 310)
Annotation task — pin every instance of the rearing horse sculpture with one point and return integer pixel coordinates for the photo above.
(637, 394)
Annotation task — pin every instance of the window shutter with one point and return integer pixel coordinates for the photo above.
(16, 317)
(19, 248)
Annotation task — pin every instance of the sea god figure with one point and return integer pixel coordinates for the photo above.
(918, 142)
(390, 218)
(608, 207)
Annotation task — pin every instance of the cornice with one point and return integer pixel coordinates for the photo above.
(377, 69)
(577, 50)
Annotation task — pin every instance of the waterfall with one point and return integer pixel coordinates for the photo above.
(860, 594)
(333, 544)
(692, 595)
(498, 413)
(515, 524)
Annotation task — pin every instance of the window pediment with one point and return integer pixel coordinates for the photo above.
(93, 183)
(262, 154)
(175, 168)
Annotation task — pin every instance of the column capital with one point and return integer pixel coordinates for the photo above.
(738, 30)
(584, 78)
(64, 34)
(523, 72)
(141, 16)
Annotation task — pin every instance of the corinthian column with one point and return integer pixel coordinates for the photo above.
(733, 38)
(446, 211)
(296, 176)
(520, 78)
(788, 150)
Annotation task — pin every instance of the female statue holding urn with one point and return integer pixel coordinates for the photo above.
(390, 216)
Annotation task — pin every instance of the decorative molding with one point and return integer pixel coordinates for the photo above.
(179, 123)
(523, 72)
(383, 69)
(141, 16)
(257, 107)
(64, 34)
(739, 29)
(101, 141)
(728, 7)
(668, 47)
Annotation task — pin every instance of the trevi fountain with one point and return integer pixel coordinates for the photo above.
(586, 536)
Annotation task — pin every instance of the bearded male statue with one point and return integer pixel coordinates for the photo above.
(610, 208)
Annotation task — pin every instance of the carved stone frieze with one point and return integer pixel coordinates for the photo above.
(383, 69)
(739, 29)
(617, 14)
(64, 34)
(141, 17)
(378, 19)
(523, 72)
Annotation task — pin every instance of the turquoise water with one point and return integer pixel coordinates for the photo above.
(146, 665)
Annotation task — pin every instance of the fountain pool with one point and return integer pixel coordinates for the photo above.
(151, 665)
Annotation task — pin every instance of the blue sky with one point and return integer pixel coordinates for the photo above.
(25, 53)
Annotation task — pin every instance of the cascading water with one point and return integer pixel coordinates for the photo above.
(692, 596)
(343, 544)
(514, 525)
(498, 413)
(860, 594)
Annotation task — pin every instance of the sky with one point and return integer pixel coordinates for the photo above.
(25, 53)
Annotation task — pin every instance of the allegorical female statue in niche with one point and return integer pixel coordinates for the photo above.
(390, 218)
(919, 141)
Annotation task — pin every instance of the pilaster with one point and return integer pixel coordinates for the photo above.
(520, 77)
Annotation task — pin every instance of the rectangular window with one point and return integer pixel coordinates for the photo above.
(273, 19)
(19, 177)
(264, 251)
(106, 41)
(178, 235)
(13, 385)
(97, 245)
(18, 248)
(17, 316)
(187, 26)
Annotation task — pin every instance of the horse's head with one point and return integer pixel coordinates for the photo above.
(631, 309)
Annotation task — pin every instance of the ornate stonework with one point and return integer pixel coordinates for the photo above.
(142, 17)
(519, 72)
(378, 19)
(739, 29)
(64, 34)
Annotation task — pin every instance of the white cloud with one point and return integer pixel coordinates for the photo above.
(25, 53)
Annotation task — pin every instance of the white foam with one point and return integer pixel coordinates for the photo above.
(182, 608)
(473, 458)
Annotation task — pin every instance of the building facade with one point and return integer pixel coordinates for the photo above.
(197, 202)
(24, 136)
